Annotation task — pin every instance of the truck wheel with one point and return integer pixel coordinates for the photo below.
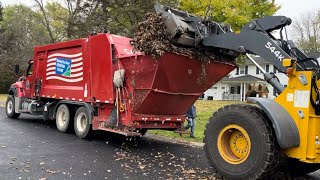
(296, 168)
(141, 131)
(63, 117)
(240, 144)
(10, 108)
(82, 123)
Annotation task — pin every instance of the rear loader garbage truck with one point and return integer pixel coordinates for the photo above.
(102, 83)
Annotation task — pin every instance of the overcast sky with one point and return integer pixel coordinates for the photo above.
(290, 8)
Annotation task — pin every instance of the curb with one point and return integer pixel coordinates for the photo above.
(173, 140)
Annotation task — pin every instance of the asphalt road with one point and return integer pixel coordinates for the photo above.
(31, 148)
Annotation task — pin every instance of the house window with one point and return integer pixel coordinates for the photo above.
(241, 70)
(237, 72)
(223, 87)
(267, 68)
(215, 87)
(274, 69)
(259, 87)
(232, 90)
(257, 70)
(246, 70)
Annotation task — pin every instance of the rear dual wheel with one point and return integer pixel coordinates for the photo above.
(240, 144)
(63, 118)
(82, 126)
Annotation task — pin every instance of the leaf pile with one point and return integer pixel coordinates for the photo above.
(152, 38)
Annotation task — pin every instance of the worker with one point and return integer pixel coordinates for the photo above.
(191, 117)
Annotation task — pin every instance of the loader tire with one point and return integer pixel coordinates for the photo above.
(63, 118)
(240, 143)
(296, 168)
(10, 106)
(82, 126)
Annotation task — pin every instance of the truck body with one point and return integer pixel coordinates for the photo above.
(123, 91)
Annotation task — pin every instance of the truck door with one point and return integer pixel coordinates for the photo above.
(29, 81)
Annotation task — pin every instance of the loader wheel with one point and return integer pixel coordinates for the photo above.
(82, 123)
(63, 118)
(296, 168)
(10, 108)
(240, 144)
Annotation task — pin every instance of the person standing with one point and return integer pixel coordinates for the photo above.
(191, 117)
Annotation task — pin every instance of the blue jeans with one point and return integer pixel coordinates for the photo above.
(191, 124)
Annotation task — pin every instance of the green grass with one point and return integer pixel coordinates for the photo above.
(3, 97)
(204, 112)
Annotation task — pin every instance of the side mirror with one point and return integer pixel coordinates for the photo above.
(16, 69)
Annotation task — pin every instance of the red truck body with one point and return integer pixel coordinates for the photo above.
(156, 93)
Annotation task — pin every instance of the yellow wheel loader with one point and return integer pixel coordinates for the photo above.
(251, 141)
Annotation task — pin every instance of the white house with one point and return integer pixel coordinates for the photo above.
(247, 80)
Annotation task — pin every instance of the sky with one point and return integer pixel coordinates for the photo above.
(295, 8)
(290, 8)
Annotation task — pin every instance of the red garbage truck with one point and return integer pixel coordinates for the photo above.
(100, 83)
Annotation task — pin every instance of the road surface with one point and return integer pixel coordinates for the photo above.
(33, 149)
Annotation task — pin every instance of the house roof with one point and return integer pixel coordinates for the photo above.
(242, 79)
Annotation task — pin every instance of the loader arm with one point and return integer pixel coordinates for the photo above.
(254, 38)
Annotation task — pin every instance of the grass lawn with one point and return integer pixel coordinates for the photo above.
(204, 112)
(3, 97)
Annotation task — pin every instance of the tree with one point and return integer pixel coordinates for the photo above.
(53, 16)
(20, 32)
(1, 12)
(234, 12)
(306, 31)
(126, 14)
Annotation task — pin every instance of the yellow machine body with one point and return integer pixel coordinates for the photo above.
(296, 100)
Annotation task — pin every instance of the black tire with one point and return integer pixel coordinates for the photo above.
(261, 149)
(82, 125)
(63, 118)
(142, 131)
(296, 168)
(10, 108)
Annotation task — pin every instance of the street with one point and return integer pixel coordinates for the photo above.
(31, 148)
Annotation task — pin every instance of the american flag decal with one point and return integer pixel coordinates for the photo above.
(76, 71)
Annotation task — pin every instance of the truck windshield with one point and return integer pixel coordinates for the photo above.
(29, 71)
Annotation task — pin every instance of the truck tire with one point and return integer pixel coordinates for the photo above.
(82, 123)
(142, 131)
(240, 144)
(10, 108)
(296, 168)
(63, 118)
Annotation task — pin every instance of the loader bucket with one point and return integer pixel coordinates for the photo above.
(169, 85)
